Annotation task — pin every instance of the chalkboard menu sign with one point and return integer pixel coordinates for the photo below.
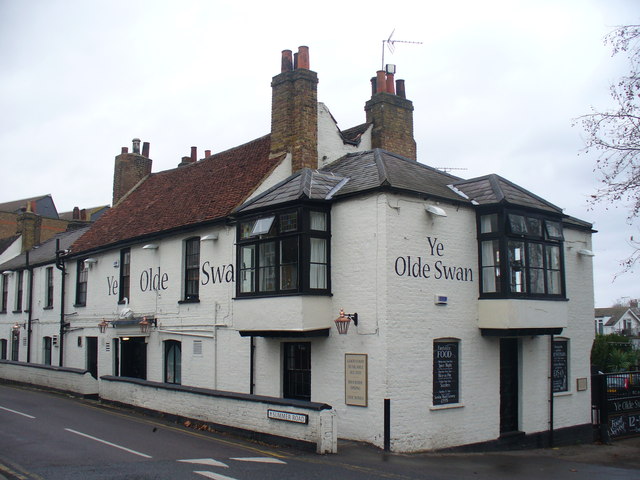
(625, 425)
(559, 359)
(446, 387)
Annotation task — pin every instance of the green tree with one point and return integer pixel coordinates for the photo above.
(613, 353)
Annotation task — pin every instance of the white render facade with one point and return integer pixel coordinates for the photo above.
(440, 357)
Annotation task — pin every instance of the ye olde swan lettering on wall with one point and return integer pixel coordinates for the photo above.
(418, 267)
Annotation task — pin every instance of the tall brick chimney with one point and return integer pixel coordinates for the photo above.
(29, 226)
(391, 115)
(294, 110)
(129, 169)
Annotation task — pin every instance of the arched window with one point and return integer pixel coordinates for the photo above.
(172, 361)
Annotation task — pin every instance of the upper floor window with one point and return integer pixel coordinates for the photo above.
(192, 269)
(125, 274)
(49, 287)
(82, 274)
(284, 252)
(520, 255)
(19, 291)
(5, 293)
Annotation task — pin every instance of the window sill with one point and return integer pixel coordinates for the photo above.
(76, 305)
(17, 311)
(47, 308)
(562, 394)
(450, 406)
(190, 300)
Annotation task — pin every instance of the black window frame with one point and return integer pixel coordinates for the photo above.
(516, 238)
(49, 288)
(125, 276)
(173, 370)
(283, 233)
(19, 291)
(5, 293)
(82, 283)
(191, 270)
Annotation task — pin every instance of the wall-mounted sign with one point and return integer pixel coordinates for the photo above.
(418, 267)
(560, 380)
(355, 379)
(288, 416)
(445, 373)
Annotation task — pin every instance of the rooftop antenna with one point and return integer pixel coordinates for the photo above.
(451, 169)
(391, 45)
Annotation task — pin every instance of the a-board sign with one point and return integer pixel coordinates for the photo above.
(355, 379)
(288, 416)
(625, 425)
(445, 373)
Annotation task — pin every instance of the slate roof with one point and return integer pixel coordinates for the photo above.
(45, 252)
(44, 206)
(493, 189)
(305, 184)
(614, 314)
(204, 191)
(377, 168)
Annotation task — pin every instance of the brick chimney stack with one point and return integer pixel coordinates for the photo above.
(129, 169)
(294, 110)
(391, 115)
(30, 227)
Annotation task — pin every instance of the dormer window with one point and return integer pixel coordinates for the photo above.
(284, 252)
(520, 255)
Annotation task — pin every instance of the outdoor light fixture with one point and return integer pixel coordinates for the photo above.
(145, 324)
(213, 236)
(343, 321)
(437, 211)
(16, 329)
(103, 325)
(7, 272)
(586, 253)
(150, 246)
(91, 261)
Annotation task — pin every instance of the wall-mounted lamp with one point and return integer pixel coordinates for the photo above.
(586, 253)
(103, 325)
(437, 211)
(145, 324)
(213, 236)
(343, 321)
(150, 246)
(90, 262)
(7, 272)
(16, 329)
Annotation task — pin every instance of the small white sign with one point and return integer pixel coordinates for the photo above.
(288, 416)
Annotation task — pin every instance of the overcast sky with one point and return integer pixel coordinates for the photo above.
(495, 86)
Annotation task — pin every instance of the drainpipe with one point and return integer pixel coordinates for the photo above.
(252, 373)
(60, 265)
(30, 304)
(551, 391)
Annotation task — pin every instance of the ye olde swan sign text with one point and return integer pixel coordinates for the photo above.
(418, 267)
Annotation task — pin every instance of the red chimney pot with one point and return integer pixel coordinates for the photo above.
(194, 154)
(287, 61)
(390, 84)
(303, 57)
(381, 82)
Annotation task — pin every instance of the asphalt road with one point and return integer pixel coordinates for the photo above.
(50, 436)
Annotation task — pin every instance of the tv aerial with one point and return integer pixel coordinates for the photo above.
(391, 45)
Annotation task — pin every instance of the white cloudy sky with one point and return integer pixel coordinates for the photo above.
(495, 86)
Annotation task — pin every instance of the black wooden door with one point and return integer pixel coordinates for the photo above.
(297, 371)
(508, 385)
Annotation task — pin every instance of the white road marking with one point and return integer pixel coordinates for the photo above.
(206, 461)
(259, 460)
(214, 476)
(109, 443)
(16, 412)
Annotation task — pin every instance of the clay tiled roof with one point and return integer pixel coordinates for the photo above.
(201, 192)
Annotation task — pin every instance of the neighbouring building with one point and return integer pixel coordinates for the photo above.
(621, 320)
(319, 265)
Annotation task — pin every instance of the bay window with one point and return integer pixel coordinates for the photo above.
(284, 252)
(520, 255)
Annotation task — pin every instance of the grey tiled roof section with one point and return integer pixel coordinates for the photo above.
(305, 184)
(493, 189)
(45, 252)
(377, 168)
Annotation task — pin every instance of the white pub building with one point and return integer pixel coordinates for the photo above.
(323, 273)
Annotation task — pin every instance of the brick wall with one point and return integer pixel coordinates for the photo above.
(392, 119)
